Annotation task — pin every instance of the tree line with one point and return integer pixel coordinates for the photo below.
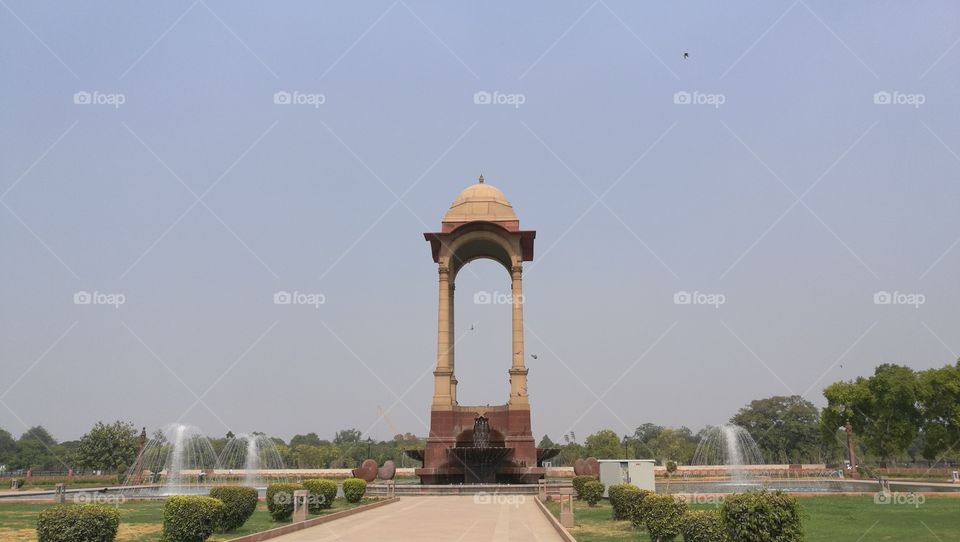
(895, 416)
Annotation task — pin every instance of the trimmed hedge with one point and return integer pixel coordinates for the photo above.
(616, 493)
(592, 492)
(322, 493)
(280, 500)
(633, 506)
(190, 518)
(702, 526)
(354, 489)
(239, 503)
(762, 516)
(579, 482)
(78, 523)
(662, 513)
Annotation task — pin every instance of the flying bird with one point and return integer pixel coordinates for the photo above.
(534, 356)
(686, 55)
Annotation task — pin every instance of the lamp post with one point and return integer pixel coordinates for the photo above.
(625, 441)
(369, 443)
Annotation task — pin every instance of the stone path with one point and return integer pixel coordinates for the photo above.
(446, 519)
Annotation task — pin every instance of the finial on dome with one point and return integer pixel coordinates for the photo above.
(481, 178)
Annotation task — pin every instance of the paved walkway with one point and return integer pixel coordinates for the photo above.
(446, 519)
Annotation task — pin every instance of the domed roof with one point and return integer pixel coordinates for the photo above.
(480, 201)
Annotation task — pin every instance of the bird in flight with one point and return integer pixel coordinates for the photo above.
(534, 356)
(686, 55)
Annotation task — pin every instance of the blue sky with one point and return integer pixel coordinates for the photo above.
(785, 190)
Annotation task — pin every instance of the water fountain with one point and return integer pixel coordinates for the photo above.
(729, 445)
(178, 460)
(251, 454)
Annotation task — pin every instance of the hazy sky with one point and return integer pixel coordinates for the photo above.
(787, 189)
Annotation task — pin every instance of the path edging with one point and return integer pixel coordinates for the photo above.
(294, 527)
(561, 530)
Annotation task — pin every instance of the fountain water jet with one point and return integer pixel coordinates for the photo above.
(253, 454)
(729, 445)
(178, 459)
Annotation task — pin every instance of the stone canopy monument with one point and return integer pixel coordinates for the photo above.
(479, 444)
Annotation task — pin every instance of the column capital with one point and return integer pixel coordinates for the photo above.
(443, 269)
(516, 269)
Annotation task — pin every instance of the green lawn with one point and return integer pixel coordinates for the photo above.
(139, 521)
(827, 519)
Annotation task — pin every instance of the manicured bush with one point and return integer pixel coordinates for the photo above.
(762, 516)
(633, 506)
(616, 495)
(579, 482)
(190, 518)
(592, 492)
(280, 500)
(662, 513)
(322, 493)
(78, 523)
(701, 526)
(671, 467)
(239, 503)
(354, 489)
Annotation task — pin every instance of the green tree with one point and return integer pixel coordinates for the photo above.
(37, 449)
(786, 429)
(671, 444)
(604, 444)
(940, 400)
(8, 448)
(310, 438)
(347, 436)
(545, 442)
(893, 414)
(847, 404)
(109, 448)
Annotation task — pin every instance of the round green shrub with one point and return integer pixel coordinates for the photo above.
(354, 489)
(322, 493)
(633, 506)
(280, 500)
(592, 492)
(190, 518)
(239, 503)
(671, 467)
(579, 482)
(615, 492)
(662, 513)
(78, 523)
(701, 526)
(762, 516)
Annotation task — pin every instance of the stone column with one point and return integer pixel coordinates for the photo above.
(444, 371)
(453, 344)
(518, 371)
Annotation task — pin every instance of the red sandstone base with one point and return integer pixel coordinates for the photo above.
(451, 458)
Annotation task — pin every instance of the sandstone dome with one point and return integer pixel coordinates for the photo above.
(480, 201)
